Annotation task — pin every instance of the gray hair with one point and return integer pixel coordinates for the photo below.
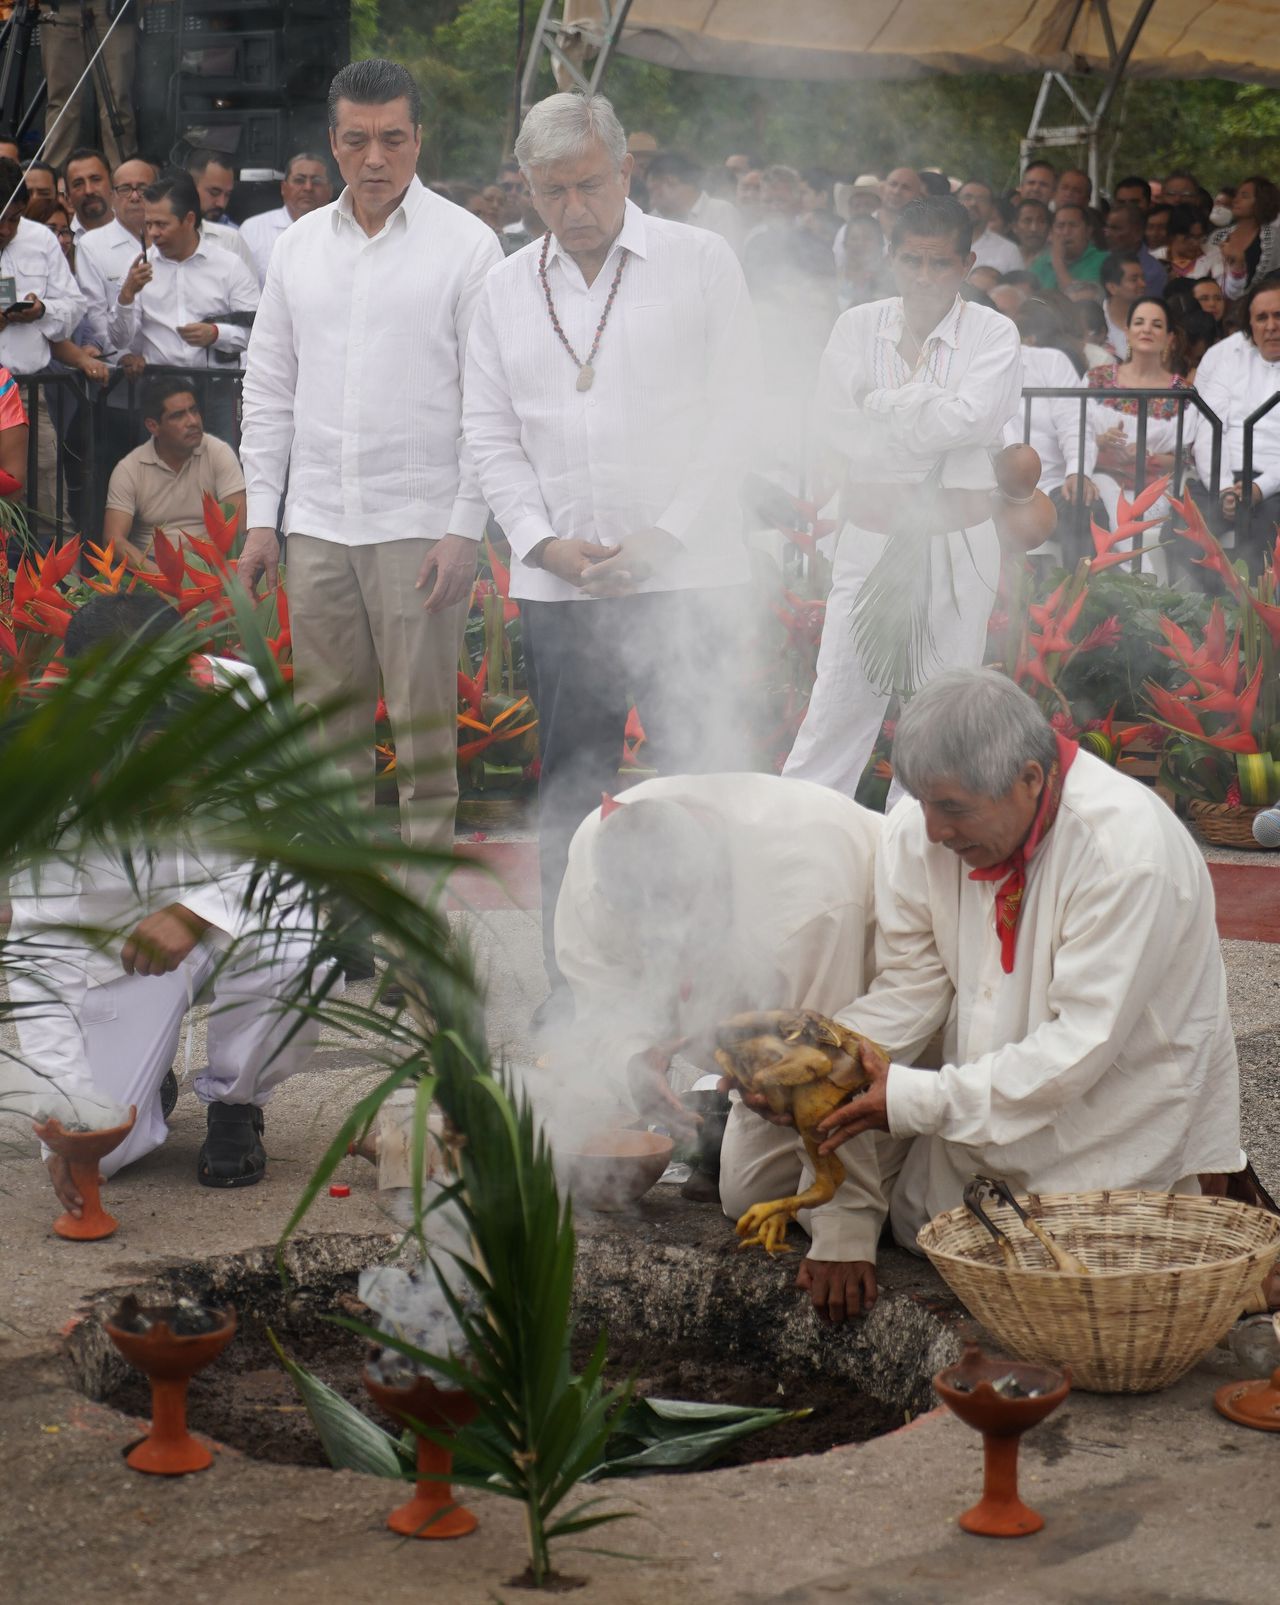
(972, 726)
(562, 127)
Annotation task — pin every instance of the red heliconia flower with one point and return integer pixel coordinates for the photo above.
(1197, 532)
(1173, 711)
(222, 531)
(1234, 797)
(1270, 616)
(1106, 634)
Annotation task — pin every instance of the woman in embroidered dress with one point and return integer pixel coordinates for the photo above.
(1114, 420)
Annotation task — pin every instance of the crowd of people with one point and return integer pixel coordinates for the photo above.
(589, 374)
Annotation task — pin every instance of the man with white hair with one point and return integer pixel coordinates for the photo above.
(693, 898)
(1056, 921)
(609, 371)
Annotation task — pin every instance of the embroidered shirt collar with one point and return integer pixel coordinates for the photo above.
(947, 330)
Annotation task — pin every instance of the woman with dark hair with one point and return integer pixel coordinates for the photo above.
(1115, 419)
(1251, 245)
(1189, 254)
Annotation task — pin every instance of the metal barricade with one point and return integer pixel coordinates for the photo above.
(1183, 398)
(79, 431)
(1244, 518)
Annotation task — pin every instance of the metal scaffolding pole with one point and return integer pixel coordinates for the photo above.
(577, 38)
(1042, 135)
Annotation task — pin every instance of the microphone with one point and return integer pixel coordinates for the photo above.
(1266, 827)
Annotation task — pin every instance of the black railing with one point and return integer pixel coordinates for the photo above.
(1184, 398)
(87, 428)
(1245, 513)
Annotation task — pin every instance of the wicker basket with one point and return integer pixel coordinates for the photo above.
(1171, 1275)
(1226, 824)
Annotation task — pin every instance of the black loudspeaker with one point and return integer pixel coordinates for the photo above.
(242, 77)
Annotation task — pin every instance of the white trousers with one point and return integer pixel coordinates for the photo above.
(132, 1028)
(760, 1161)
(846, 711)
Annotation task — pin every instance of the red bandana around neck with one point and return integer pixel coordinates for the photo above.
(1012, 873)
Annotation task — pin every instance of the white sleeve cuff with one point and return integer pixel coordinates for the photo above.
(914, 1100)
(844, 1234)
(468, 519)
(529, 531)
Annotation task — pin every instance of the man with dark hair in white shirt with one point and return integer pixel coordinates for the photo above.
(608, 374)
(169, 303)
(305, 187)
(989, 248)
(1234, 378)
(353, 393)
(913, 396)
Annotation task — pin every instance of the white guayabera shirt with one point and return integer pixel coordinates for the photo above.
(353, 385)
(890, 422)
(1106, 1059)
(210, 281)
(1234, 379)
(33, 267)
(1055, 425)
(260, 234)
(663, 435)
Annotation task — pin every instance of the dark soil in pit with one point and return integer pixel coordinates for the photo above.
(839, 1415)
(246, 1400)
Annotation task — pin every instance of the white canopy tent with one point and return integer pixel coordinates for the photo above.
(840, 39)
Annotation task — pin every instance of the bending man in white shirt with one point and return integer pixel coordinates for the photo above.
(694, 899)
(911, 389)
(353, 394)
(1056, 921)
(609, 378)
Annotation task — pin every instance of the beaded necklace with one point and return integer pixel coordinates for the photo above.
(586, 370)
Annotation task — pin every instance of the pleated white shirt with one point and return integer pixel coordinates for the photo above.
(663, 435)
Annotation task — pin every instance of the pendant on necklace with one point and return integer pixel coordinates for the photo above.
(586, 376)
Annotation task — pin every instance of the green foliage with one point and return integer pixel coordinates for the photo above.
(1096, 681)
(970, 125)
(650, 1435)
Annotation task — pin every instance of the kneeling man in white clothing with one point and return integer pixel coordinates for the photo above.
(695, 897)
(110, 946)
(1056, 921)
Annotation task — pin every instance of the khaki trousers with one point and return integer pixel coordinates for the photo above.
(63, 55)
(357, 619)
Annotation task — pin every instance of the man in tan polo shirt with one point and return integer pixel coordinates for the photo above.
(162, 483)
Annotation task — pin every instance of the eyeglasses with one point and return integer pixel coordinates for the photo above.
(128, 189)
(319, 181)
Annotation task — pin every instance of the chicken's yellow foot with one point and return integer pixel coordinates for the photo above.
(765, 1225)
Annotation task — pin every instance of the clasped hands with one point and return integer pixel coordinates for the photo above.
(611, 570)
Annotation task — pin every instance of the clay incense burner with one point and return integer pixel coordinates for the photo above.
(1001, 1399)
(154, 1342)
(432, 1512)
(1253, 1404)
(84, 1151)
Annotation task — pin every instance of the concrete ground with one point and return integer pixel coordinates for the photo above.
(1147, 1500)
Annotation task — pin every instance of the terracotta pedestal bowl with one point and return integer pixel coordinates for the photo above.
(169, 1360)
(84, 1152)
(432, 1512)
(616, 1167)
(967, 1389)
(1252, 1404)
